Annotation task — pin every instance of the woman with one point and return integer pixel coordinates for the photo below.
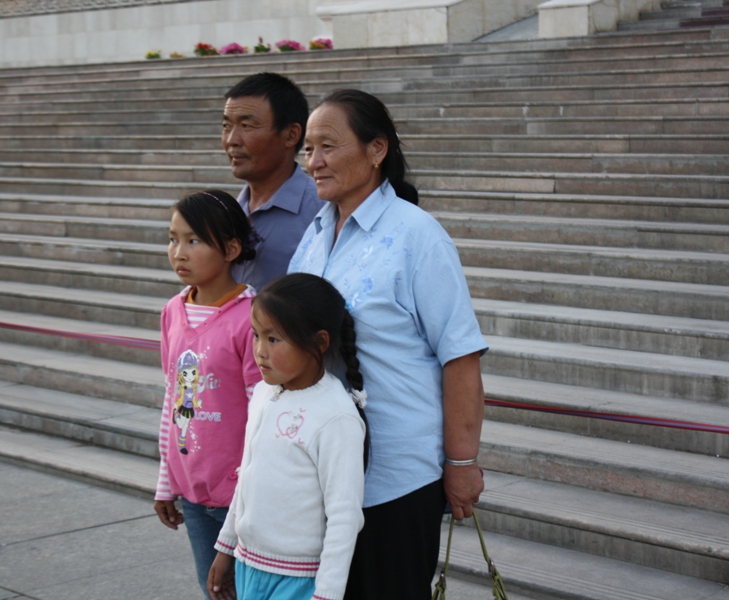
(419, 342)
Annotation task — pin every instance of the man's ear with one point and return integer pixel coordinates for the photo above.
(294, 135)
(322, 340)
(232, 250)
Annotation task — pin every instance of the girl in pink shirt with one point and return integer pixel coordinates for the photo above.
(210, 371)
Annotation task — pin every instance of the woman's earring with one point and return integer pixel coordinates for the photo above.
(377, 165)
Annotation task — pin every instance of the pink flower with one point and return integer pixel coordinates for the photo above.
(321, 44)
(289, 46)
(233, 49)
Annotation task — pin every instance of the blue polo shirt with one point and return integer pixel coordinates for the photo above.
(280, 222)
(400, 274)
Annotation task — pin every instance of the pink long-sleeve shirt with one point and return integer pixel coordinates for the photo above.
(209, 375)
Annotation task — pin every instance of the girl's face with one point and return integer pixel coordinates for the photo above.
(281, 363)
(195, 262)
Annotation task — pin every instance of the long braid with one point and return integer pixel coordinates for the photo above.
(348, 350)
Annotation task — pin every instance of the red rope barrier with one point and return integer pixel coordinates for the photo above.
(640, 420)
(146, 344)
(116, 340)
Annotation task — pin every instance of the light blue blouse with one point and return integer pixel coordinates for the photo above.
(402, 279)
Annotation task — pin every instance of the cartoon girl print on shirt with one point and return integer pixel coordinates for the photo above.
(188, 371)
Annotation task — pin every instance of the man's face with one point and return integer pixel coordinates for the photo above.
(250, 139)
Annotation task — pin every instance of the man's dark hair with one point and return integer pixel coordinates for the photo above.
(287, 101)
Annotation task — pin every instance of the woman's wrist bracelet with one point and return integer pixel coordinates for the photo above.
(461, 463)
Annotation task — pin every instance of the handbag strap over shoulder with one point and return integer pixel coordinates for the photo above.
(499, 590)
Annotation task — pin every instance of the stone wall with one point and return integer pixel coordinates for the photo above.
(127, 31)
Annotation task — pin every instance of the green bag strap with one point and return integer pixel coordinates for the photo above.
(499, 590)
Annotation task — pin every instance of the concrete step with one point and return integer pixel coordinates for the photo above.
(91, 276)
(658, 375)
(616, 143)
(619, 184)
(577, 206)
(696, 301)
(104, 423)
(551, 573)
(575, 161)
(82, 461)
(526, 70)
(637, 332)
(129, 254)
(679, 478)
(699, 237)
(135, 345)
(102, 206)
(90, 305)
(624, 84)
(84, 375)
(108, 229)
(562, 125)
(620, 416)
(180, 142)
(636, 263)
(681, 540)
(681, 11)
(658, 164)
(467, 92)
(202, 109)
(676, 107)
(613, 184)
(191, 174)
(167, 190)
(529, 72)
(132, 156)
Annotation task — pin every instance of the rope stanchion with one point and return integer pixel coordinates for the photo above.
(116, 340)
(637, 419)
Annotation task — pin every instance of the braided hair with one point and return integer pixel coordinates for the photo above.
(301, 305)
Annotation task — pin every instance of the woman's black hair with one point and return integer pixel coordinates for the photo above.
(369, 119)
(301, 305)
(217, 219)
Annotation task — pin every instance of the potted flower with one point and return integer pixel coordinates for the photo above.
(289, 46)
(176, 55)
(151, 54)
(321, 44)
(261, 47)
(202, 49)
(233, 49)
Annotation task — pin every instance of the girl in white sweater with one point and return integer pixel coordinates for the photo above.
(292, 525)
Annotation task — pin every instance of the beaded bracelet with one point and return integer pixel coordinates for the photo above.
(461, 463)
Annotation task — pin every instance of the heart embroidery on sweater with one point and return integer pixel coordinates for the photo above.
(288, 424)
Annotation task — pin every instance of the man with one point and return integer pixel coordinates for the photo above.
(264, 122)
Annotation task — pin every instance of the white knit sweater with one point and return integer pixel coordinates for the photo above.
(297, 506)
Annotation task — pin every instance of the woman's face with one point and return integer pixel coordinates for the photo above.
(342, 166)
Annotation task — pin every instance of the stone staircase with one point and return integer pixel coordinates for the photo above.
(585, 183)
(675, 14)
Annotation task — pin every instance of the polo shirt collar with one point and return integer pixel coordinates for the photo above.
(287, 197)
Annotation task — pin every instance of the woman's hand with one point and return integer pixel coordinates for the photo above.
(168, 513)
(462, 419)
(463, 486)
(221, 579)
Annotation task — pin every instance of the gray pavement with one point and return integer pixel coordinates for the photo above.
(62, 539)
(65, 540)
